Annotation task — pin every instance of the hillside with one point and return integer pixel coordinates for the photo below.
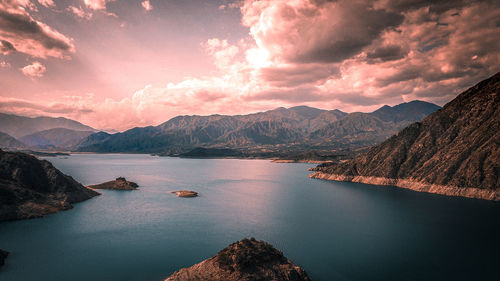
(20, 126)
(10, 142)
(299, 127)
(454, 151)
(57, 138)
(32, 188)
(245, 260)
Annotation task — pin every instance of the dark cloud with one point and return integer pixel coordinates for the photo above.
(386, 53)
(59, 108)
(6, 47)
(358, 25)
(30, 36)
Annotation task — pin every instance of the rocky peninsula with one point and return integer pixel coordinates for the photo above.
(246, 260)
(454, 151)
(32, 188)
(3, 256)
(185, 193)
(119, 183)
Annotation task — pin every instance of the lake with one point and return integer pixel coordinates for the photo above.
(335, 231)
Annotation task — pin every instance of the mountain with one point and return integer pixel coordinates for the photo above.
(32, 188)
(57, 138)
(454, 151)
(19, 126)
(371, 128)
(297, 126)
(245, 260)
(10, 142)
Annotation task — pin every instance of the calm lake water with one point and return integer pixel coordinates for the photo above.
(336, 231)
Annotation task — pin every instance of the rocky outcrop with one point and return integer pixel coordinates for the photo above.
(185, 193)
(3, 256)
(454, 151)
(32, 188)
(119, 183)
(245, 260)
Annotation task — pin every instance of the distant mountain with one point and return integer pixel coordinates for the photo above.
(454, 151)
(375, 127)
(20, 126)
(9, 142)
(301, 125)
(58, 138)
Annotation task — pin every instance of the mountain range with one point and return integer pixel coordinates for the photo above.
(299, 126)
(454, 151)
(20, 126)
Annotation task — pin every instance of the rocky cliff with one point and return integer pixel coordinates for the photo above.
(32, 188)
(454, 151)
(245, 260)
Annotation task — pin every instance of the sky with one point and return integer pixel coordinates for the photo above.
(118, 64)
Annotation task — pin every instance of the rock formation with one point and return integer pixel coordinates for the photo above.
(119, 183)
(454, 151)
(185, 193)
(32, 188)
(245, 260)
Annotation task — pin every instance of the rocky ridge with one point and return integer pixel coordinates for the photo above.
(32, 188)
(246, 260)
(454, 151)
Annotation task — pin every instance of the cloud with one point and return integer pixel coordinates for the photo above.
(97, 4)
(47, 3)
(320, 32)
(31, 36)
(6, 47)
(34, 70)
(79, 12)
(147, 5)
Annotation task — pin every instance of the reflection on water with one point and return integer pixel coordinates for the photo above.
(336, 231)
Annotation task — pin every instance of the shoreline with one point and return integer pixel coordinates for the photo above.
(468, 192)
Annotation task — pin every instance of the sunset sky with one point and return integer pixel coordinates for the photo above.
(116, 64)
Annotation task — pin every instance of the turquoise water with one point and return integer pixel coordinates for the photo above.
(336, 231)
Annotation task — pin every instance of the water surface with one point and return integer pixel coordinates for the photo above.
(336, 231)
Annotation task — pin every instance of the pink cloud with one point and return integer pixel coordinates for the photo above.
(97, 4)
(147, 5)
(47, 3)
(34, 70)
(79, 12)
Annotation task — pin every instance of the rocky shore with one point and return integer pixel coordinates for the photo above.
(3, 256)
(477, 193)
(119, 183)
(32, 188)
(246, 260)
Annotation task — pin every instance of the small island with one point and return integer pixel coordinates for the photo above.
(185, 193)
(247, 259)
(119, 183)
(3, 256)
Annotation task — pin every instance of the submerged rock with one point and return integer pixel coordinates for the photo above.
(185, 193)
(245, 260)
(3, 256)
(32, 188)
(119, 183)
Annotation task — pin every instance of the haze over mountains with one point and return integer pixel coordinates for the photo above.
(454, 151)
